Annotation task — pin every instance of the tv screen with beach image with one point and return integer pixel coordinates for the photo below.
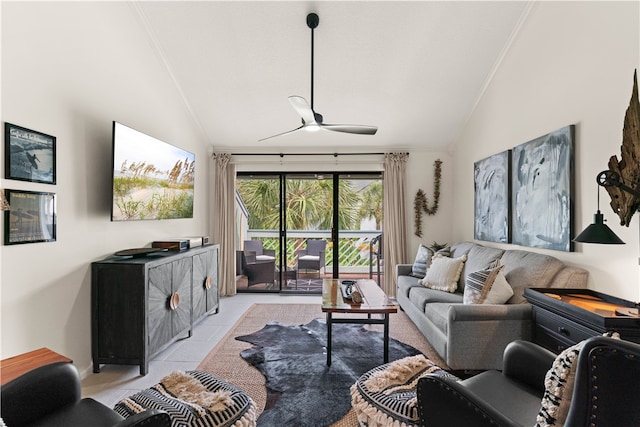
(151, 178)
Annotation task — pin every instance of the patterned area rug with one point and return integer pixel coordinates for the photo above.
(225, 362)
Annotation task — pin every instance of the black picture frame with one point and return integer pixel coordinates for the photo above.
(29, 155)
(31, 218)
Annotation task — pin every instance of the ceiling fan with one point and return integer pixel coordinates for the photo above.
(311, 120)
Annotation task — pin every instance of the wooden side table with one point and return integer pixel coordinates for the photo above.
(13, 367)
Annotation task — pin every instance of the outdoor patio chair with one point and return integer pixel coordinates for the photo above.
(261, 254)
(256, 271)
(311, 258)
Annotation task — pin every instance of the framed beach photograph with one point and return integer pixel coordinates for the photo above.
(31, 219)
(29, 155)
(542, 187)
(492, 201)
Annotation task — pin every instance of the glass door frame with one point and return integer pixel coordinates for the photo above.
(282, 177)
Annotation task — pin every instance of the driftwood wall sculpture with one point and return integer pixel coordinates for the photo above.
(622, 202)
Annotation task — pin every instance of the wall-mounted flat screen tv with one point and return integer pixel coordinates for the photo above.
(151, 178)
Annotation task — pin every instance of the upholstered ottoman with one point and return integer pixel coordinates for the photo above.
(386, 395)
(194, 398)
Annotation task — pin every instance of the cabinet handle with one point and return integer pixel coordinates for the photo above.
(564, 331)
(174, 300)
(207, 283)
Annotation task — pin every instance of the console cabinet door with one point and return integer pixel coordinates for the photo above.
(181, 286)
(200, 275)
(159, 316)
(205, 282)
(169, 302)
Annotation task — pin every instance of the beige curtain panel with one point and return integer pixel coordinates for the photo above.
(223, 217)
(394, 223)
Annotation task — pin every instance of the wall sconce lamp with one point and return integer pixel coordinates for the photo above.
(4, 204)
(599, 232)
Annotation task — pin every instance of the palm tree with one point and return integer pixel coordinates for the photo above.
(309, 203)
(371, 206)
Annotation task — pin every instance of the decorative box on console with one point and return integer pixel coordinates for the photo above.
(563, 317)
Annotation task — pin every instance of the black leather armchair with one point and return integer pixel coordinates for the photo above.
(50, 396)
(606, 390)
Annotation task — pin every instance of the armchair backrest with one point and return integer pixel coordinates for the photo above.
(253, 246)
(608, 373)
(315, 246)
(39, 392)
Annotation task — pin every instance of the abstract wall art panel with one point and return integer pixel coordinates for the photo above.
(542, 188)
(492, 198)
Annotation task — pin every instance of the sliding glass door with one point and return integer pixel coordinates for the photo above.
(308, 226)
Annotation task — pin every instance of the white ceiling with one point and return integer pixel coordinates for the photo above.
(414, 69)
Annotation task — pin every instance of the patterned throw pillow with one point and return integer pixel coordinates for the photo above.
(479, 283)
(420, 264)
(558, 384)
(444, 272)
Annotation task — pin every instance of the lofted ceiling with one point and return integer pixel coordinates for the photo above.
(415, 69)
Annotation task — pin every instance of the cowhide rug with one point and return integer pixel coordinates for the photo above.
(301, 389)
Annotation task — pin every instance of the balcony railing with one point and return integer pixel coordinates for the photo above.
(354, 247)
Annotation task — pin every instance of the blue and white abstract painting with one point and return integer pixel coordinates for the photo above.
(542, 191)
(491, 198)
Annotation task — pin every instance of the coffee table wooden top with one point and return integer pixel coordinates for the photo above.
(374, 300)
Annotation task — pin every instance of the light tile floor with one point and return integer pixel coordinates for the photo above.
(115, 382)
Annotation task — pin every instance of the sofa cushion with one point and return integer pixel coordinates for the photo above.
(438, 313)
(406, 283)
(444, 272)
(421, 296)
(479, 283)
(525, 269)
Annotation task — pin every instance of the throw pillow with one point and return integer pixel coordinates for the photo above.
(479, 283)
(444, 272)
(420, 264)
(500, 292)
(558, 384)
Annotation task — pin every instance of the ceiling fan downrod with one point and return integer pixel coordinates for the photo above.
(312, 22)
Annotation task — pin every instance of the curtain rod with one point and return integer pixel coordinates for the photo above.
(309, 154)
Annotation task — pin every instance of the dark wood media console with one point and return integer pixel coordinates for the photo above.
(564, 317)
(140, 305)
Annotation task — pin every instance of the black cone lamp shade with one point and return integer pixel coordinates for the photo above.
(598, 232)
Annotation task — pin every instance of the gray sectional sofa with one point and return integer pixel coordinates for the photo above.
(474, 336)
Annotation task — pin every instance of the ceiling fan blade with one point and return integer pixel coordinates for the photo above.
(359, 129)
(302, 107)
(281, 134)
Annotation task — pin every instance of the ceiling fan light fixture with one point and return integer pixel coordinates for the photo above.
(313, 121)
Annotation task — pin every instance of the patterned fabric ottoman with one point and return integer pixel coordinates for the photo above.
(386, 395)
(194, 398)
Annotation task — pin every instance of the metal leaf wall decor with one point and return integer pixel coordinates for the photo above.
(623, 203)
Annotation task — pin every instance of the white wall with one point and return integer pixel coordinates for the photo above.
(69, 69)
(570, 63)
